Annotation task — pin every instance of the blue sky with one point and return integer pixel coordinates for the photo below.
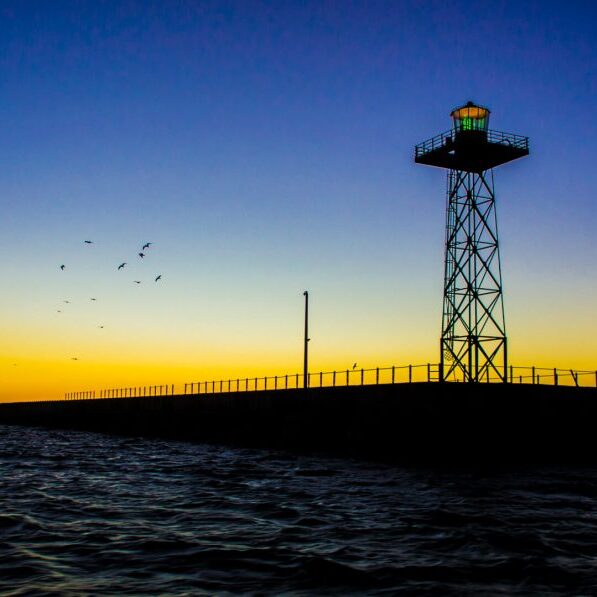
(266, 148)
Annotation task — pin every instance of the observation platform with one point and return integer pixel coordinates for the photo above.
(471, 151)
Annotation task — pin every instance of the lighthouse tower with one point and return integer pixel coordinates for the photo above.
(473, 345)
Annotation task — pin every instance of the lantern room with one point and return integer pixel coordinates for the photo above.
(470, 117)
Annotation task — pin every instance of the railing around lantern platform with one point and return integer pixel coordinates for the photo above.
(446, 139)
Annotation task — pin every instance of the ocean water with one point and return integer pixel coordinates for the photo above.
(89, 514)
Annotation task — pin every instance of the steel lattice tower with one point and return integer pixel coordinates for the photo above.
(473, 343)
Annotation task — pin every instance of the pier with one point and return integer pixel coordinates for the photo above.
(418, 422)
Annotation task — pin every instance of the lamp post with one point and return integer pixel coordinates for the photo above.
(306, 347)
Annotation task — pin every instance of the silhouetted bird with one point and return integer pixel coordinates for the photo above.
(141, 255)
(74, 359)
(88, 242)
(58, 311)
(67, 302)
(101, 327)
(92, 299)
(158, 278)
(145, 246)
(122, 265)
(62, 267)
(354, 366)
(137, 281)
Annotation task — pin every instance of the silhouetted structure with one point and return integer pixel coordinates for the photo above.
(473, 341)
(306, 343)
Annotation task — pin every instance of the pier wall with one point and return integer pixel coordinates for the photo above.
(418, 422)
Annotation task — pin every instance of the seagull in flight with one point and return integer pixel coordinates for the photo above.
(58, 311)
(122, 265)
(137, 281)
(92, 299)
(101, 327)
(74, 359)
(141, 255)
(146, 246)
(158, 278)
(67, 302)
(88, 242)
(62, 267)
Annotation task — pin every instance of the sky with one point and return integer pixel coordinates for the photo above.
(265, 149)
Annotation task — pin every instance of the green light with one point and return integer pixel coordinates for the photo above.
(467, 123)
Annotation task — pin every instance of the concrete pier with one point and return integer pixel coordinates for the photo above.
(408, 423)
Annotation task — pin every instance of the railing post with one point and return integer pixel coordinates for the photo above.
(410, 374)
(334, 379)
(428, 372)
(246, 384)
(347, 377)
(393, 372)
(265, 383)
(237, 383)
(229, 386)
(321, 379)
(286, 381)
(377, 376)
(362, 376)
(555, 377)
(255, 384)
(533, 373)
(276, 382)
(297, 380)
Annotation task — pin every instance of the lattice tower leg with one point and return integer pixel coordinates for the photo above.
(473, 343)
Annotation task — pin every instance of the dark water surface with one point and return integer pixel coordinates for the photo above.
(87, 514)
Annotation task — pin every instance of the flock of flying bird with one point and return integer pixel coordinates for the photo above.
(141, 254)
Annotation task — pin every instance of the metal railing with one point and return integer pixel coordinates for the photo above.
(428, 372)
(447, 139)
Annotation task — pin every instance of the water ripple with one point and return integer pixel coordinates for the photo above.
(86, 514)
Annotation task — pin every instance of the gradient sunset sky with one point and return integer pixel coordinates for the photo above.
(266, 148)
